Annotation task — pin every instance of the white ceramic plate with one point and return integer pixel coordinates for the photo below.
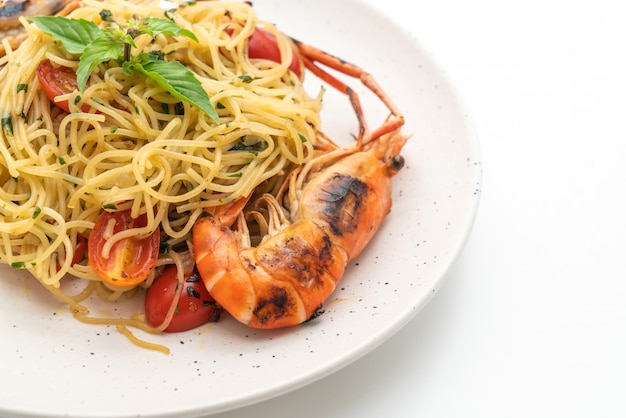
(51, 365)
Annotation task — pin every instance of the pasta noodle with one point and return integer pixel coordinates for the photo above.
(137, 146)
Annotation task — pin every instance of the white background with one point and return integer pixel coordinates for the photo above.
(532, 318)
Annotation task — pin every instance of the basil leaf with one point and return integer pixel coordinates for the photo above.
(100, 50)
(155, 26)
(75, 34)
(178, 80)
(96, 46)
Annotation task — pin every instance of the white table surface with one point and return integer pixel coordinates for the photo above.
(532, 318)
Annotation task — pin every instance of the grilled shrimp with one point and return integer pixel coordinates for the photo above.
(11, 11)
(326, 213)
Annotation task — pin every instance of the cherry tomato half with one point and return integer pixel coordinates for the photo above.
(262, 44)
(130, 260)
(56, 81)
(195, 306)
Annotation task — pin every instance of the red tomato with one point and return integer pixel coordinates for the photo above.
(195, 306)
(79, 251)
(130, 260)
(81, 248)
(262, 44)
(56, 81)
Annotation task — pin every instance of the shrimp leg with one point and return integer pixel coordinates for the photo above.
(312, 56)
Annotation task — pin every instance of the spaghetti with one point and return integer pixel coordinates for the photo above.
(128, 144)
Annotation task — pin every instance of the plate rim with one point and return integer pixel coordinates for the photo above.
(381, 336)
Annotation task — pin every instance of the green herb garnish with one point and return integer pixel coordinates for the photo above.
(193, 293)
(97, 45)
(253, 147)
(194, 278)
(164, 248)
(7, 126)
